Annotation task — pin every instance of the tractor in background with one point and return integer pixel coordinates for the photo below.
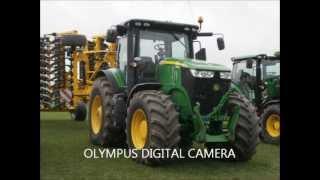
(163, 95)
(258, 77)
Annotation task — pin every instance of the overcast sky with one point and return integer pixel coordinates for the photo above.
(249, 27)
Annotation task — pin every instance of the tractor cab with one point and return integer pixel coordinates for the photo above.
(145, 44)
(257, 76)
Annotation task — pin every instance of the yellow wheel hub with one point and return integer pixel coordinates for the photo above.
(273, 125)
(139, 129)
(96, 114)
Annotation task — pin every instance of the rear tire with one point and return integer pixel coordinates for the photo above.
(80, 112)
(268, 133)
(104, 117)
(160, 124)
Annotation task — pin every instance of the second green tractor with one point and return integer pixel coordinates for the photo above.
(258, 77)
(160, 96)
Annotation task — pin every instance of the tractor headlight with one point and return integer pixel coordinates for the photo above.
(202, 74)
(225, 75)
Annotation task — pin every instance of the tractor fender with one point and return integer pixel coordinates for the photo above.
(142, 86)
(114, 76)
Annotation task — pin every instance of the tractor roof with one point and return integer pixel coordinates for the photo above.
(166, 25)
(256, 57)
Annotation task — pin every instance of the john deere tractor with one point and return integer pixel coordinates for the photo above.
(258, 77)
(160, 97)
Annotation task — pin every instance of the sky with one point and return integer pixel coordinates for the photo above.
(249, 27)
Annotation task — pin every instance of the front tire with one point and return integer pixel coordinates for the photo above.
(247, 128)
(152, 123)
(270, 124)
(246, 131)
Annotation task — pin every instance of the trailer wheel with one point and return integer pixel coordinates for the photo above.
(80, 112)
(152, 123)
(104, 116)
(270, 124)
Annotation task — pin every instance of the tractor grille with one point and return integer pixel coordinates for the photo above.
(201, 90)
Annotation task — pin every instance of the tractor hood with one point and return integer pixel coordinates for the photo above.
(195, 64)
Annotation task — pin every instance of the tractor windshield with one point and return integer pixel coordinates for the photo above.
(241, 72)
(161, 44)
(270, 69)
(245, 78)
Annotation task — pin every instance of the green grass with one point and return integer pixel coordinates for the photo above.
(63, 142)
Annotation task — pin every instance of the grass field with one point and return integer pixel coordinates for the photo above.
(63, 142)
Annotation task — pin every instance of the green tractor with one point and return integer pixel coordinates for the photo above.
(258, 77)
(161, 97)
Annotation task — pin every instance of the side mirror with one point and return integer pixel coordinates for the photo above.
(141, 61)
(111, 35)
(201, 54)
(137, 59)
(220, 42)
(249, 63)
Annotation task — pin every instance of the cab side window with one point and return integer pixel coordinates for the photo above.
(240, 70)
(122, 53)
